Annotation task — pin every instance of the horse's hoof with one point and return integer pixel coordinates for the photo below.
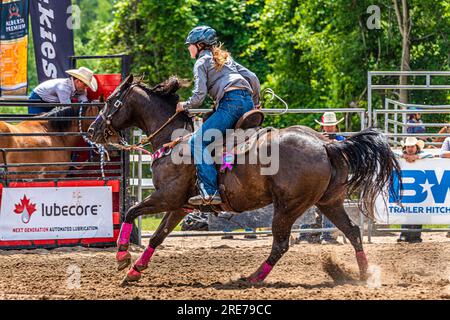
(125, 282)
(254, 280)
(132, 276)
(363, 265)
(363, 277)
(259, 275)
(123, 259)
(123, 264)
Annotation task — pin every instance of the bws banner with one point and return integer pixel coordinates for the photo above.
(426, 195)
(56, 213)
(13, 47)
(52, 36)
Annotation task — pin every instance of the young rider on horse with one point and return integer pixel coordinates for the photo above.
(235, 91)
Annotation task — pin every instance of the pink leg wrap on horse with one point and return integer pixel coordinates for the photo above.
(133, 273)
(125, 232)
(122, 255)
(263, 272)
(144, 259)
(362, 261)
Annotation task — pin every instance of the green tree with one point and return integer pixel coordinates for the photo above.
(313, 53)
(153, 32)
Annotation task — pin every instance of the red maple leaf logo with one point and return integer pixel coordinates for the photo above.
(25, 204)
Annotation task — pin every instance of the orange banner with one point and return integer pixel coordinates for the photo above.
(13, 47)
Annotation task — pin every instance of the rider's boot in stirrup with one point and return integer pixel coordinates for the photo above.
(207, 200)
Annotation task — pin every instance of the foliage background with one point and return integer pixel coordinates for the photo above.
(313, 53)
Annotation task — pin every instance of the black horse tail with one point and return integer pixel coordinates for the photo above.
(371, 165)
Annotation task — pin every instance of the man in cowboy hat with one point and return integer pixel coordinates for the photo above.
(329, 126)
(63, 90)
(412, 150)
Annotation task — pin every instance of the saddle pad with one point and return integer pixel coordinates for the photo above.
(239, 143)
(248, 143)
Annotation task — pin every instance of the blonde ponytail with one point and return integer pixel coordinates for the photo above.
(220, 56)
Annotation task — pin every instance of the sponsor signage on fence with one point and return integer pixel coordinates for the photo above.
(426, 195)
(13, 47)
(56, 213)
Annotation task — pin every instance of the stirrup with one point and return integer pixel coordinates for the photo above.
(211, 197)
(209, 200)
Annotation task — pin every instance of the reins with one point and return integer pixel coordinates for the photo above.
(123, 144)
(146, 140)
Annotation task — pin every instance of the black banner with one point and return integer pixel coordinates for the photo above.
(52, 36)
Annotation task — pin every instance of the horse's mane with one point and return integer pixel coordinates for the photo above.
(61, 112)
(167, 90)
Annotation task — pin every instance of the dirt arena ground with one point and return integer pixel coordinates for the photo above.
(210, 268)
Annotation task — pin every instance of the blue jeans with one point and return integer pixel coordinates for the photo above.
(231, 107)
(35, 109)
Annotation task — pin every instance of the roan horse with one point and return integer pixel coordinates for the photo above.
(37, 126)
(312, 171)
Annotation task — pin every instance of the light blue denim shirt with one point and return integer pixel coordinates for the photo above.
(59, 91)
(207, 80)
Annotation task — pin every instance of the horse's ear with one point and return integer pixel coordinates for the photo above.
(125, 84)
(128, 80)
(140, 79)
(101, 99)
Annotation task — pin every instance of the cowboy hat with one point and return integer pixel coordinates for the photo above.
(413, 141)
(329, 119)
(86, 76)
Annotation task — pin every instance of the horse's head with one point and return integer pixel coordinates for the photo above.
(135, 104)
(114, 116)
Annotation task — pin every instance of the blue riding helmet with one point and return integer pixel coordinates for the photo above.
(202, 34)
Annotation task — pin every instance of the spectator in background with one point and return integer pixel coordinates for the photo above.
(412, 151)
(329, 126)
(415, 118)
(443, 130)
(330, 129)
(64, 89)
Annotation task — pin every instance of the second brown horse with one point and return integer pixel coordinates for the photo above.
(41, 127)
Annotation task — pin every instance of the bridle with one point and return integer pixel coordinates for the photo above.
(109, 130)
